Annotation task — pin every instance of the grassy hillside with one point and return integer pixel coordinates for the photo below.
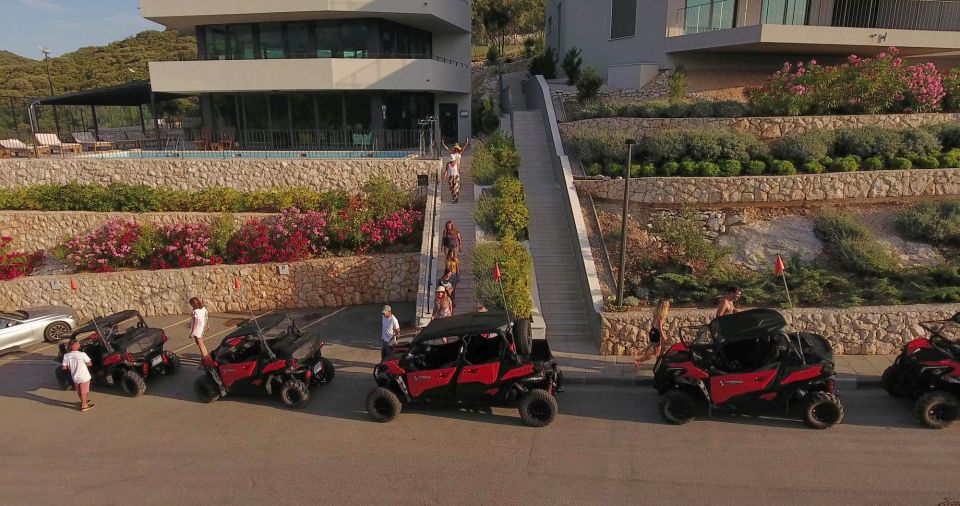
(85, 68)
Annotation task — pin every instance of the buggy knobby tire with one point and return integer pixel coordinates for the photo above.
(677, 407)
(328, 371)
(63, 378)
(295, 394)
(56, 331)
(891, 383)
(172, 366)
(523, 336)
(822, 410)
(132, 383)
(383, 405)
(538, 408)
(206, 389)
(936, 409)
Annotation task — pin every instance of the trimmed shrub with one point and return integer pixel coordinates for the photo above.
(677, 85)
(493, 55)
(504, 211)
(844, 164)
(730, 109)
(802, 148)
(872, 163)
(833, 228)
(926, 162)
(730, 168)
(598, 145)
(647, 170)
(708, 169)
(949, 161)
(900, 163)
(933, 222)
(687, 168)
(782, 168)
(869, 141)
(613, 169)
(545, 64)
(15, 264)
(813, 168)
(674, 110)
(664, 145)
(588, 85)
(755, 168)
(669, 169)
(701, 109)
(917, 140)
(515, 270)
(866, 256)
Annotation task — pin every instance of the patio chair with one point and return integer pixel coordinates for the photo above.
(56, 145)
(362, 140)
(228, 139)
(16, 147)
(119, 140)
(143, 140)
(88, 141)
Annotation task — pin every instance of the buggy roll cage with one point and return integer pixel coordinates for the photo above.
(938, 332)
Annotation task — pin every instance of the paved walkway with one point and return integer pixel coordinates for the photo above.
(550, 241)
(461, 214)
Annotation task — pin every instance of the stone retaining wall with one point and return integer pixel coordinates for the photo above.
(237, 173)
(883, 184)
(40, 230)
(326, 282)
(767, 128)
(856, 331)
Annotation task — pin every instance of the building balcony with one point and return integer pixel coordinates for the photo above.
(314, 74)
(816, 26)
(433, 15)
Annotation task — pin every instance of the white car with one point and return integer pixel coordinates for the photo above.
(24, 327)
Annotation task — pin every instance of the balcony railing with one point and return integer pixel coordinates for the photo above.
(935, 15)
(322, 55)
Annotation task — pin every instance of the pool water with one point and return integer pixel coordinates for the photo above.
(253, 154)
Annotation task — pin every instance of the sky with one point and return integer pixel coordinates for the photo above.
(67, 25)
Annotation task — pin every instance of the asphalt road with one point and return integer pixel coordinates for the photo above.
(608, 445)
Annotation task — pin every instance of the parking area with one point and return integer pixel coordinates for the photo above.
(607, 446)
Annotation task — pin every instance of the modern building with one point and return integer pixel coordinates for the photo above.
(294, 69)
(629, 41)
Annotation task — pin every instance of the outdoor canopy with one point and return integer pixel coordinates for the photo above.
(465, 324)
(747, 325)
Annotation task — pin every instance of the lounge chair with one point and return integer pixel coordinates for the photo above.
(87, 140)
(15, 147)
(54, 143)
(120, 140)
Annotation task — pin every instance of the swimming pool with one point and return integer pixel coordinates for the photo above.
(252, 154)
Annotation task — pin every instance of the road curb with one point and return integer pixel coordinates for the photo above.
(643, 381)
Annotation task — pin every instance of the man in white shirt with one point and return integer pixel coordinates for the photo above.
(390, 329)
(198, 324)
(77, 362)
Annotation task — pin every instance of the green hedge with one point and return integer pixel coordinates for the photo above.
(496, 157)
(516, 270)
(504, 212)
(379, 194)
(656, 109)
(717, 152)
(934, 222)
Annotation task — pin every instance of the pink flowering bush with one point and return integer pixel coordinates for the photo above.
(260, 242)
(106, 248)
(859, 86)
(14, 264)
(396, 230)
(184, 245)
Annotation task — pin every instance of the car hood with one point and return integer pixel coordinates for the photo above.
(40, 312)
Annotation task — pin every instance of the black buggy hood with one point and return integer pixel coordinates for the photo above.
(747, 325)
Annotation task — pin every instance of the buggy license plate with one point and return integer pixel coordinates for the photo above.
(317, 368)
(157, 360)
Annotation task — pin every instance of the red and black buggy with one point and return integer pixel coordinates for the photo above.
(747, 363)
(124, 358)
(928, 371)
(476, 358)
(251, 359)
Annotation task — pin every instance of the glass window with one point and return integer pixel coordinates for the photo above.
(302, 109)
(299, 44)
(357, 111)
(241, 42)
(353, 36)
(255, 112)
(330, 111)
(328, 39)
(623, 19)
(216, 40)
(224, 111)
(271, 40)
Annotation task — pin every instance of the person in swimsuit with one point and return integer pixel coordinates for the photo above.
(656, 336)
(727, 303)
(451, 240)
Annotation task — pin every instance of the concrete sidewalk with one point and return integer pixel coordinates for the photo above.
(852, 370)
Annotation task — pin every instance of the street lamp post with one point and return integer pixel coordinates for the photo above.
(46, 60)
(623, 229)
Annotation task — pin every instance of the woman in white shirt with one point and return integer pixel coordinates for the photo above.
(198, 324)
(453, 169)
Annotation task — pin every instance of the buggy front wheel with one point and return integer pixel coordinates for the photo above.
(328, 371)
(132, 383)
(383, 405)
(677, 407)
(206, 389)
(822, 410)
(936, 409)
(891, 383)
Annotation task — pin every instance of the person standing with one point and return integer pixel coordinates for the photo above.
(389, 330)
(198, 324)
(442, 307)
(453, 169)
(451, 240)
(727, 304)
(77, 363)
(449, 281)
(656, 336)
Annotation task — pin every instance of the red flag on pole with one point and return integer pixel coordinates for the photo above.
(496, 271)
(236, 282)
(778, 268)
(73, 284)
